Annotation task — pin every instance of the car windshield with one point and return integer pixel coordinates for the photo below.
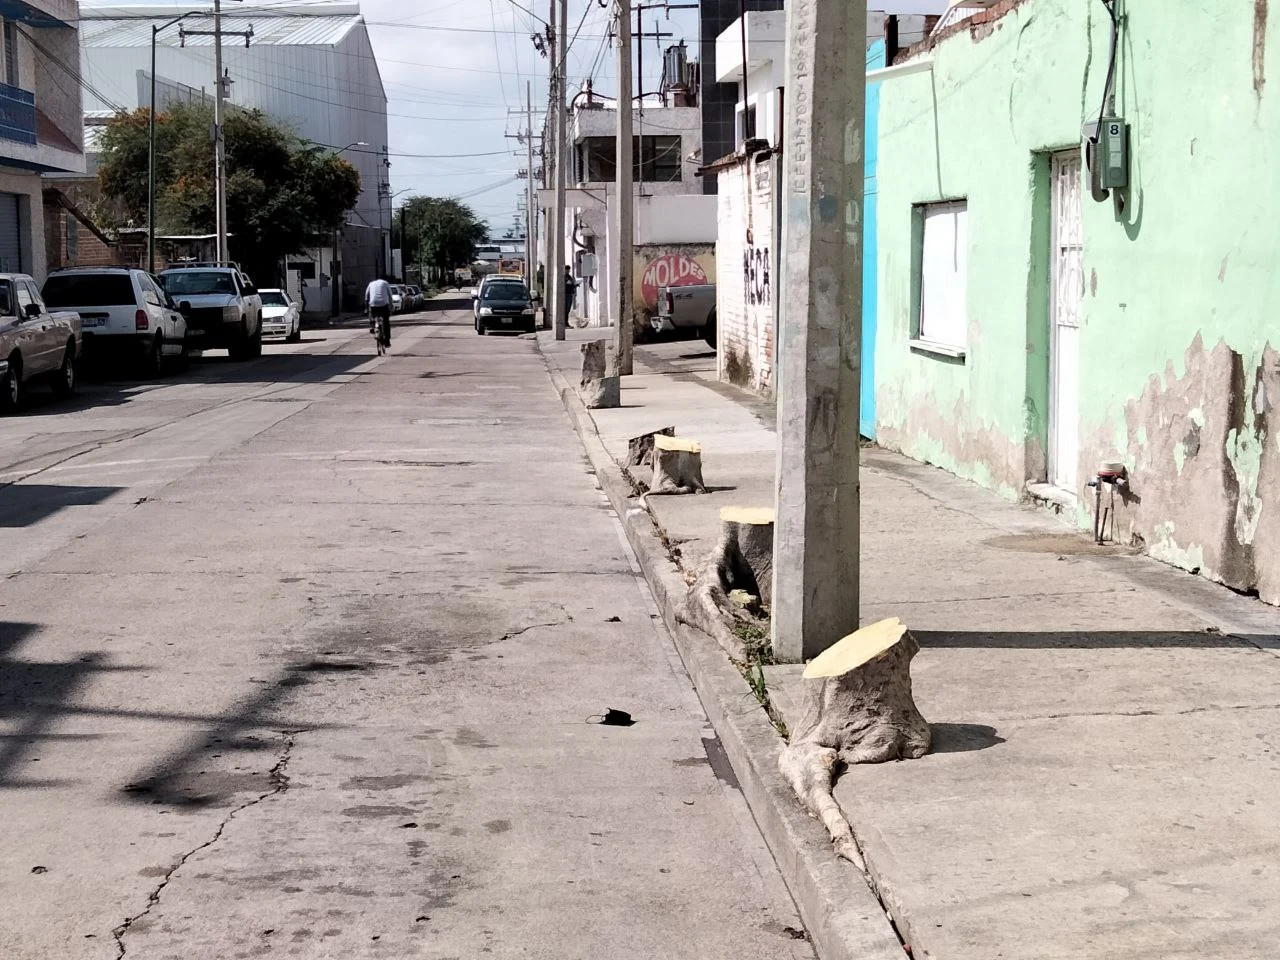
(182, 282)
(273, 298)
(89, 290)
(506, 291)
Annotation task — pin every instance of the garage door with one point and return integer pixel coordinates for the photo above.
(10, 234)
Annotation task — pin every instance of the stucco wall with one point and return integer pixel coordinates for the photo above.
(1177, 373)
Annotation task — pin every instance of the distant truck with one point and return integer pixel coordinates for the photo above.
(688, 308)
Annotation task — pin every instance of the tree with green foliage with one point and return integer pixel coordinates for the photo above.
(281, 191)
(439, 232)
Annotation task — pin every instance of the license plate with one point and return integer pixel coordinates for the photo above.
(87, 322)
(193, 332)
(506, 319)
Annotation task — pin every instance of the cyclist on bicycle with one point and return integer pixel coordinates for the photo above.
(377, 301)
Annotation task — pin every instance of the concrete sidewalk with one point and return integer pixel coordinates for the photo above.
(1104, 780)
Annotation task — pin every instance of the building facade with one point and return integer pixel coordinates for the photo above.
(1037, 328)
(311, 68)
(674, 224)
(40, 121)
(751, 58)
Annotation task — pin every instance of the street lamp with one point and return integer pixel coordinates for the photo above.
(151, 139)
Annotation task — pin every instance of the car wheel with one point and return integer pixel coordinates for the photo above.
(153, 363)
(64, 381)
(238, 348)
(709, 331)
(255, 343)
(296, 335)
(11, 388)
(184, 355)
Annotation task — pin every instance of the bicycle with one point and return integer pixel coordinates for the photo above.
(380, 327)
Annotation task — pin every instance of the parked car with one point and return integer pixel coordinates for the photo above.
(504, 304)
(281, 316)
(476, 291)
(34, 343)
(418, 298)
(397, 298)
(221, 305)
(691, 308)
(125, 315)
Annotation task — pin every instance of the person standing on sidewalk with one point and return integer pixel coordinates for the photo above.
(570, 290)
(377, 301)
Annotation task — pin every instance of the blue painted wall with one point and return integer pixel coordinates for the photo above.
(867, 403)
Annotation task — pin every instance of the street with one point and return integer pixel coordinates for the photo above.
(306, 656)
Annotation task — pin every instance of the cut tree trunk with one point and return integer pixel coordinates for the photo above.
(857, 708)
(677, 466)
(601, 393)
(595, 360)
(741, 566)
(640, 449)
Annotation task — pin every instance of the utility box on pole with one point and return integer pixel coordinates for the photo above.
(815, 588)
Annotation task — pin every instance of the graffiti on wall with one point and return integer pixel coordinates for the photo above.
(755, 274)
(671, 270)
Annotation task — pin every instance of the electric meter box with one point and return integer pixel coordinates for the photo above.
(1113, 154)
(586, 265)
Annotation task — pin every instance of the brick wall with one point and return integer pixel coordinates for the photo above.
(69, 243)
(746, 266)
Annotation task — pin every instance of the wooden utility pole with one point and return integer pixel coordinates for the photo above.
(815, 592)
(624, 199)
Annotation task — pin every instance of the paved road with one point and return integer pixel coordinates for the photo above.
(298, 657)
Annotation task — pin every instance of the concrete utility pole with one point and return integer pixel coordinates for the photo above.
(815, 567)
(555, 227)
(624, 199)
(531, 217)
(222, 88)
(219, 141)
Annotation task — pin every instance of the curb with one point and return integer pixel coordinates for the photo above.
(844, 919)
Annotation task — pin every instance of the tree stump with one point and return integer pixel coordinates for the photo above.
(741, 566)
(677, 466)
(595, 360)
(857, 708)
(640, 449)
(602, 393)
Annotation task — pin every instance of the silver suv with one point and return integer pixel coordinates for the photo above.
(221, 305)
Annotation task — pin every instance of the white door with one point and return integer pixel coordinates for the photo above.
(1067, 292)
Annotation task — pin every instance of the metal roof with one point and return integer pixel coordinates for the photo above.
(308, 25)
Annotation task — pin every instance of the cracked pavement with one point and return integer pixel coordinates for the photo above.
(298, 656)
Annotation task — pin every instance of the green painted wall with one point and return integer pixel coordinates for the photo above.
(1182, 286)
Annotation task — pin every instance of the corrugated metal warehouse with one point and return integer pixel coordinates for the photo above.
(310, 67)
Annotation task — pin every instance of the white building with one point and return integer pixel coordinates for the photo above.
(310, 67)
(674, 223)
(40, 120)
(749, 228)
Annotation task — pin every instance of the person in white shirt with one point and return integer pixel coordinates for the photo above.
(377, 301)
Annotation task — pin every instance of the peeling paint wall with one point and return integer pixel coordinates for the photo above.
(1178, 370)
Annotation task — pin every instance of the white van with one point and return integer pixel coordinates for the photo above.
(125, 316)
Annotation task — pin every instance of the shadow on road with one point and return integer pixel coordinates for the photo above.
(37, 697)
(23, 504)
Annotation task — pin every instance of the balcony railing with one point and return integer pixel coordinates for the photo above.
(17, 114)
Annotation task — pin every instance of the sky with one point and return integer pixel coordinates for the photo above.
(456, 72)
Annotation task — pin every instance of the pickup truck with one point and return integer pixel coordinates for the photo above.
(222, 307)
(691, 307)
(34, 343)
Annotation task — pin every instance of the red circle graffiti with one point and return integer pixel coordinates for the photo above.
(672, 270)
